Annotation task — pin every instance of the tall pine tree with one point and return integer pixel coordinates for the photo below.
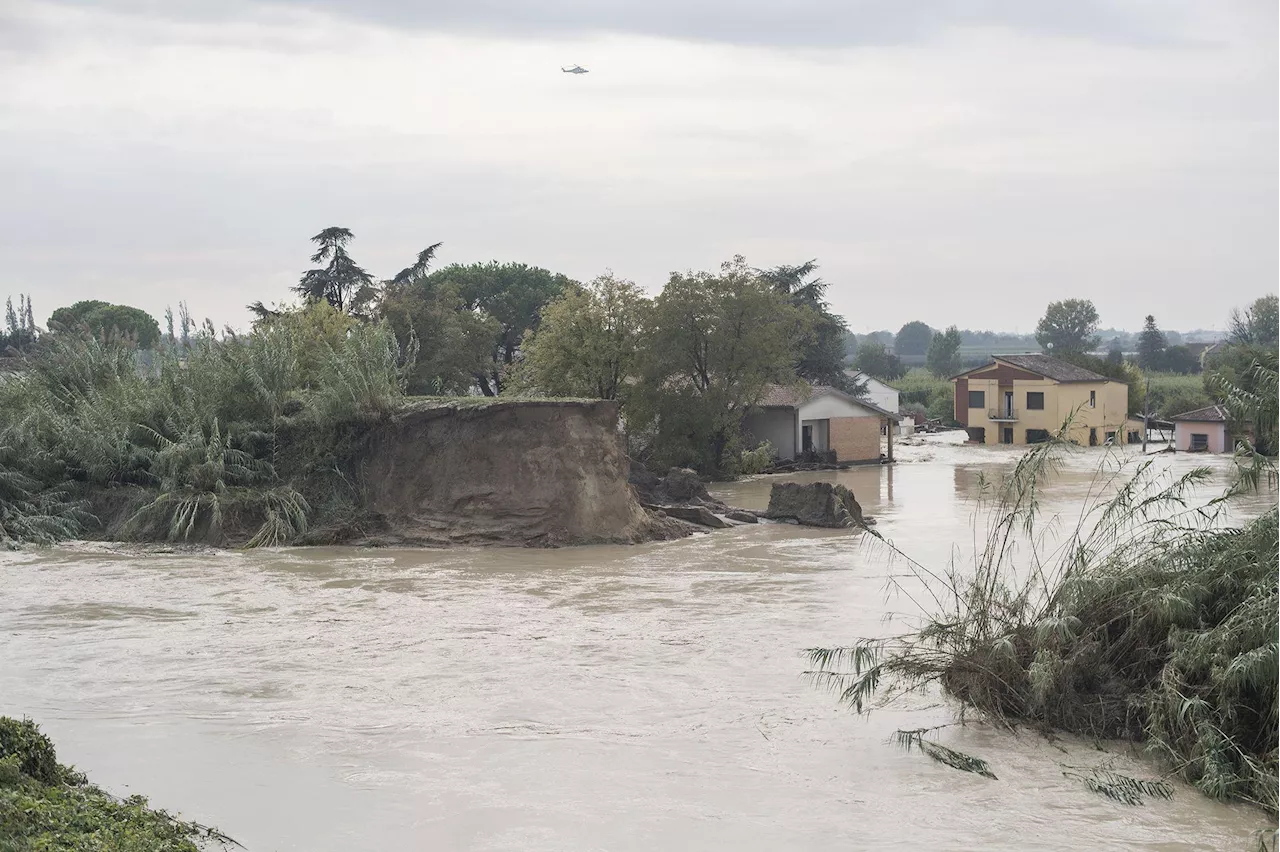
(1151, 345)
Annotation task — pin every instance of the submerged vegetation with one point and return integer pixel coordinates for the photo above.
(46, 806)
(1148, 618)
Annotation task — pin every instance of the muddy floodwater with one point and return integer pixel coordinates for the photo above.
(605, 698)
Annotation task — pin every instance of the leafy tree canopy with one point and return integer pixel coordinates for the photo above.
(822, 350)
(1179, 359)
(1257, 324)
(912, 339)
(508, 298)
(876, 360)
(944, 353)
(587, 343)
(1068, 327)
(714, 344)
(105, 320)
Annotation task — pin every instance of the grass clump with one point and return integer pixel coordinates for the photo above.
(47, 806)
(1148, 618)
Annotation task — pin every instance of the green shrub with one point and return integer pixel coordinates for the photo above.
(33, 750)
(751, 462)
(47, 806)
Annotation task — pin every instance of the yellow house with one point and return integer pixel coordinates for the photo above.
(1023, 399)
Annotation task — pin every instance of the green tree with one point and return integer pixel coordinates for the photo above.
(1068, 327)
(105, 320)
(20, 328)
(1115, 355)
(511, 295)
(341, 279)
(944, 353)
(587, 343)
(714, 344)
(1151, 345)
(822, 350)
(912, 340)
(1179, 359)
(1258, 324)
(455, 343)
(876, 360)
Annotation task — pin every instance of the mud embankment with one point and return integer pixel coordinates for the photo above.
(526, 473)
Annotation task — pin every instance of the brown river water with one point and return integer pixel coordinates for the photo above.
(600, 698)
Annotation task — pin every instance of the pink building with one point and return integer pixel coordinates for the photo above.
(1202, 431)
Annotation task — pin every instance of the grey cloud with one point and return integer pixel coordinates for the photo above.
(784, 23)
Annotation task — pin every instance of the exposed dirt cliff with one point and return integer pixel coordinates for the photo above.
(532, 473)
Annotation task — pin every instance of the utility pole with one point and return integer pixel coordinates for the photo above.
(1146, 416)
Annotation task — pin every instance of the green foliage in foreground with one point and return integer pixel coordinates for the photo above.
(1151, 620)
(46, 806)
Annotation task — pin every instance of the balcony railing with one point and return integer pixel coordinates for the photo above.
(1008, 415)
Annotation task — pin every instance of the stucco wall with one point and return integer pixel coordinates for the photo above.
(882, 395)
(855, 438)
(1217, 432)
(1108, 413)
(777, 426)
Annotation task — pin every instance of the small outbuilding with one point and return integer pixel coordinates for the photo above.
(1202, 431)
(819, 420)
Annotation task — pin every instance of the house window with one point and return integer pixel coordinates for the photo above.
(1199, 441)
(977, 399)
(1093, 399)
(1037, 436)
(1035, 401)
(1111, 438)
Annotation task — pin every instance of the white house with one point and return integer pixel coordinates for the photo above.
(820, 419)
(883, 396)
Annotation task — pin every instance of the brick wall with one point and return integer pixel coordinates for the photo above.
(855, 438)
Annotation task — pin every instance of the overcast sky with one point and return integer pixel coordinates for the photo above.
(954, 161)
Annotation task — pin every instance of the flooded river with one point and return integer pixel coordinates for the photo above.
(605, 698)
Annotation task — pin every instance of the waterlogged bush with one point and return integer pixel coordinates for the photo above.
(1152, 620)
(32, 513)
(46, 806)
(751, 462)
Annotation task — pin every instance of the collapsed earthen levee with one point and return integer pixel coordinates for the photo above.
(815, 504)
(533, 473)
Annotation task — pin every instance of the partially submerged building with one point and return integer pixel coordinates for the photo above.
(819, 420)
(1023, 399)
(1202, 431)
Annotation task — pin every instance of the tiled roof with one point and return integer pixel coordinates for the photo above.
(786, 396)
(1052, 368)
(1208, 414)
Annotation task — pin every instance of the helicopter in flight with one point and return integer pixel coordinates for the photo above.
(574, 69)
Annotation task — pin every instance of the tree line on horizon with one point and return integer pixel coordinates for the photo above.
(685, 364)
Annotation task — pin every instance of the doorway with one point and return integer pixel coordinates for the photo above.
(1093, 437)
(806, 439)
(1008, 407)
(1006, 435)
